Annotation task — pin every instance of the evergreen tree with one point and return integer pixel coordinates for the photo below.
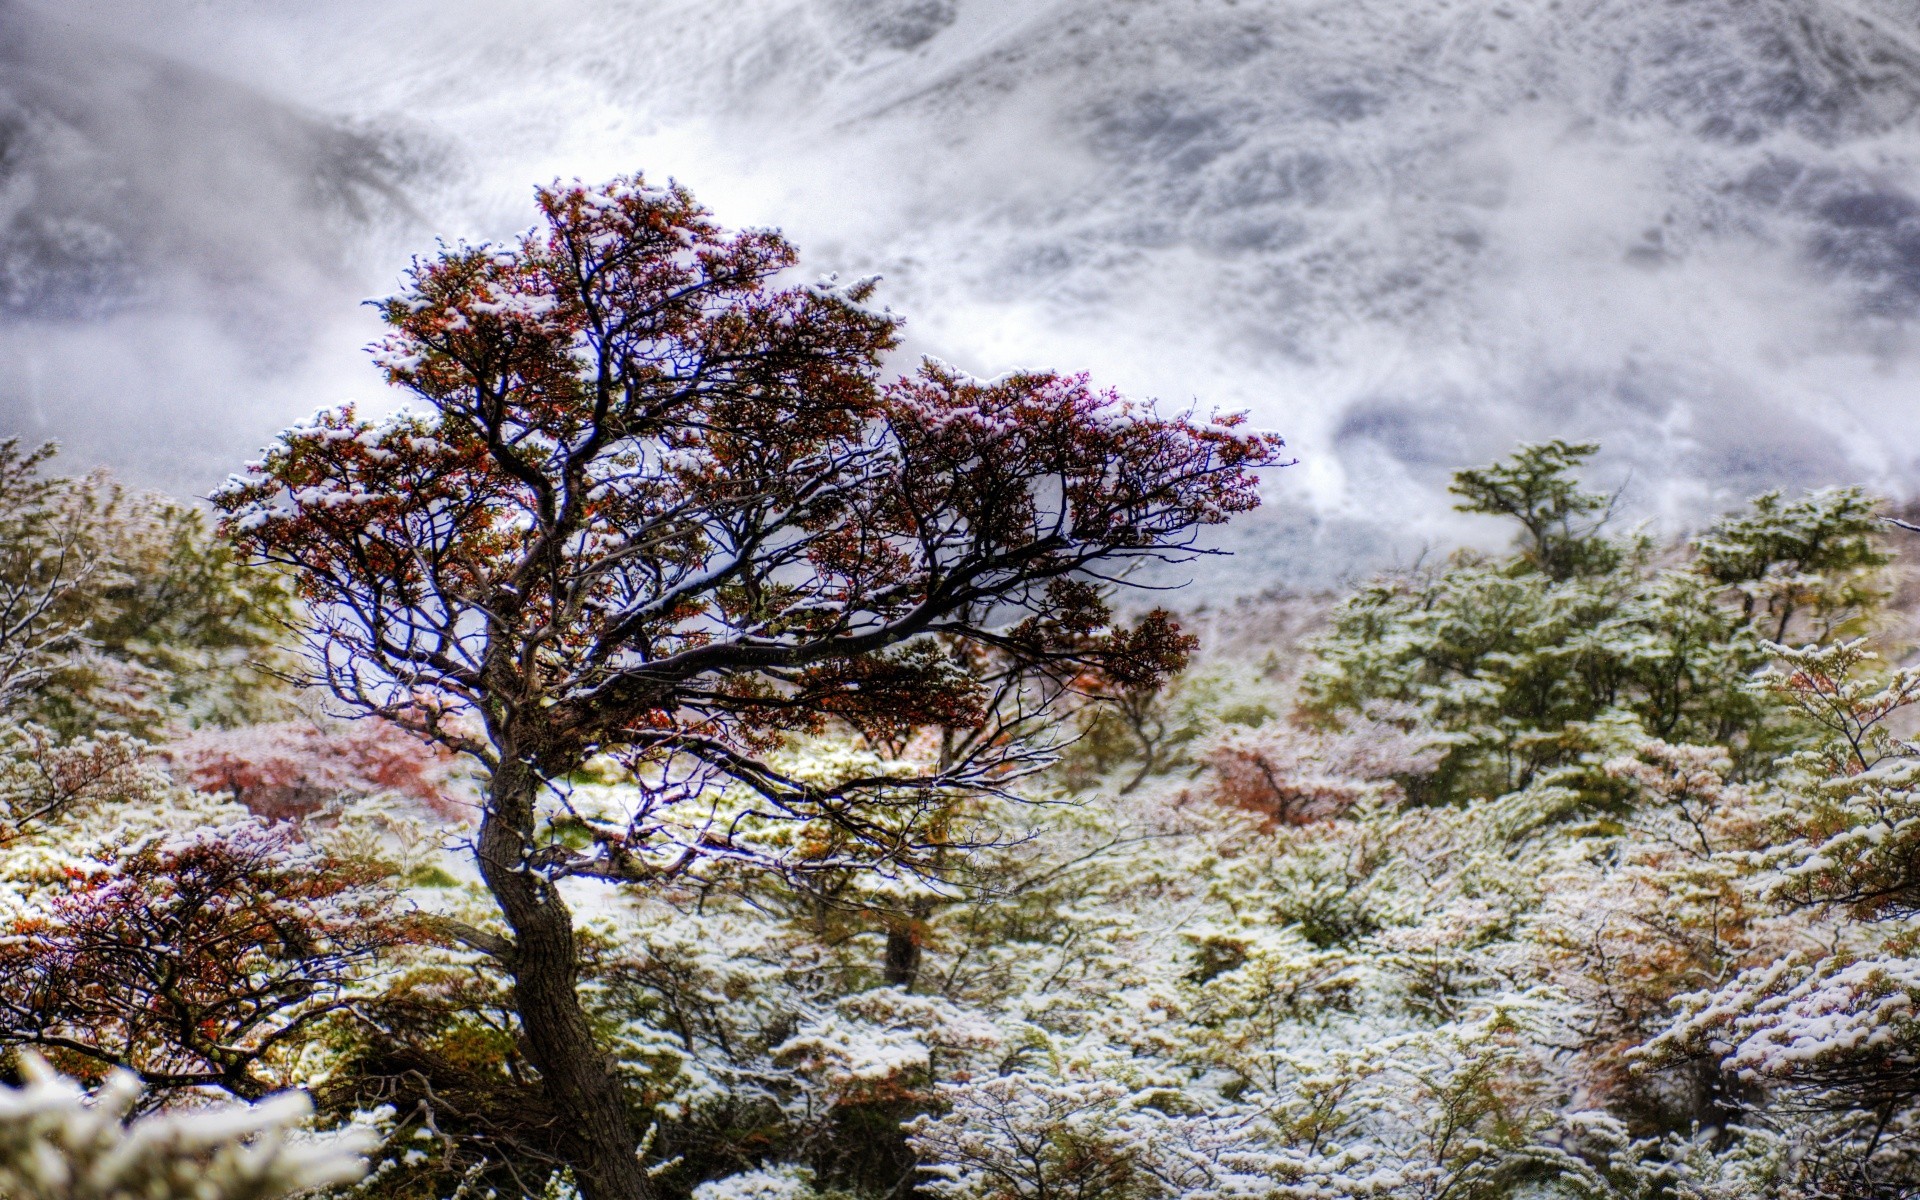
(1580, 646)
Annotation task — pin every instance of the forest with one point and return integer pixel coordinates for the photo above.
(674, 757)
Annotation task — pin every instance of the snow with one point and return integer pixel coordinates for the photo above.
(58, 1143)
(523, 306)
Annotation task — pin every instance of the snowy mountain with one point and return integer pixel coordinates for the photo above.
(167, 238)
(1404, 233)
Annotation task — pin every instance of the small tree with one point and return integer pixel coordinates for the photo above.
(43, 562)
(295, 769)
(661, 508)
(1815, 557)
(196, 960)
(1559, 522)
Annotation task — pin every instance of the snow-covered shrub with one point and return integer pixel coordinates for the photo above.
(197, 959)
(57, 1142)
(120, 610)
(1818, 1041)
(45, 779)
(785, 1182)
(1295, 774)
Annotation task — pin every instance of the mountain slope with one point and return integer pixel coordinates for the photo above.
(1404, 233)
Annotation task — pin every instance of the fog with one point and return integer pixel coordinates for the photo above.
(1405, 233)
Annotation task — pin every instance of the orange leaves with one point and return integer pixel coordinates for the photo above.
(345, 497)
(190, 959)
(1075, 625)
(1148, 654)
(887, 696)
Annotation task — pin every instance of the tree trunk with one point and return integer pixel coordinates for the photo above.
(600, 1142)
(905, 933)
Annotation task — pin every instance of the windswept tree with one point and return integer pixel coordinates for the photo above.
(660, 507)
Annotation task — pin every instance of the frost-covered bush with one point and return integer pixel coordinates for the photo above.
(296, 768)
(57, 1142)
(1818, 1041)
(197, 959)
(1657, 942)
(120, 610)
(1296, 774)
(785, 1182)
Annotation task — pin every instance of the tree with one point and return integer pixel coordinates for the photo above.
(194, 960)
(1558, 521)
(1580, 646)
(1815, 557)
(659, 507)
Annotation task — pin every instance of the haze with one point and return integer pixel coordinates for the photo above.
(1405, 233)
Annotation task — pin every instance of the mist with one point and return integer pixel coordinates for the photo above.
(1404, 233)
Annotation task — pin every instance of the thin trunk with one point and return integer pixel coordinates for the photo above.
(903, 954)
(600, 1141)
(905, 934)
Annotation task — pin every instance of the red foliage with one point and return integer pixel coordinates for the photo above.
(657, 495)
(1297, 776)
(294, 769)
(191, 960)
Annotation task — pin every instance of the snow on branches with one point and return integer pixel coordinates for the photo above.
(194, 959)
(679, 502)
(59, 1143)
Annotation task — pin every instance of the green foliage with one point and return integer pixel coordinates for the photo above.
(1559, 523)
(42, 566)
(120, 610)
(1815, 558)
(177, 627)
(1581, 645)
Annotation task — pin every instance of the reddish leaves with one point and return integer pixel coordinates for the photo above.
(1298, 776)
(296, 768)
(191, 960)
(661, 502)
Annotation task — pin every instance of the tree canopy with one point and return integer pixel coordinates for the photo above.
(660, 506)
